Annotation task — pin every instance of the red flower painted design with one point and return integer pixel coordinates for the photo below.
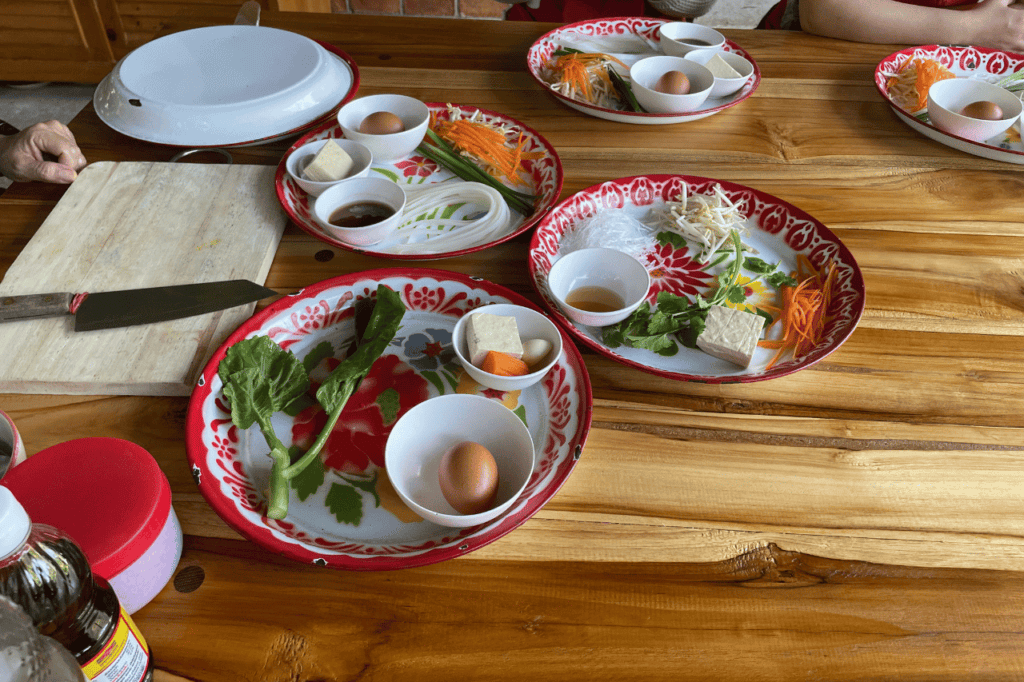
(390, 390)
(417, 167)
(673, 271)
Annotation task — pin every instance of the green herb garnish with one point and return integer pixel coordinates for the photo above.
(260, 378)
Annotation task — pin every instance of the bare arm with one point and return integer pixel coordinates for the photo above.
(990, 23)
(26, 155)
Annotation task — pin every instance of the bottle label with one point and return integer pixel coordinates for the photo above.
(124, 658)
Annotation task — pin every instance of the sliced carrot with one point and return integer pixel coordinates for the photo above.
(804, 311)
(503, 365)
(487, 144)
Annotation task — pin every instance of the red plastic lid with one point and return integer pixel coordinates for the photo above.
(108, 494)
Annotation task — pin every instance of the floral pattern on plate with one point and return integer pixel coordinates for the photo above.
(964, 61)
(540, 53)
(778, 230)
(345, 513)
(545, 176)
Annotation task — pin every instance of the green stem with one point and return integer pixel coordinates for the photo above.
(277, 505)
(311, 454)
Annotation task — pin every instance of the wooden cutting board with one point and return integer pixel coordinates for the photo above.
(130, 225)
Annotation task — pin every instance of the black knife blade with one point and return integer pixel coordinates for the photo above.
(126, 308)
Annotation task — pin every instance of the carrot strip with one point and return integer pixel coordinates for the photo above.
(804, 311)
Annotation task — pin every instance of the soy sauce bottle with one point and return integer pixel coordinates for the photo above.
(47, 575)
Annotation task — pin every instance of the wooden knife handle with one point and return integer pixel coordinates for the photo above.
(34, 305)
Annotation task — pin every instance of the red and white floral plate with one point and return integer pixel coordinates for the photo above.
(351, 517)
(778, 231)
(647, 28)
(545, 178)
(965, 62)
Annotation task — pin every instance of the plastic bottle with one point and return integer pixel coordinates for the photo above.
(26, 655)
(46, 574)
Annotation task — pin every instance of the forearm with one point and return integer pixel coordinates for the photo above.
(883, 21)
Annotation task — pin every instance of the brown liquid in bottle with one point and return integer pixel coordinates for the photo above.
(595, 299)
(360, 214)
(50, 578)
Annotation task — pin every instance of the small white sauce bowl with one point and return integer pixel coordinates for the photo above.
(947, 98)
(394, 146)
(417, 442)
(10, 440)
(303, 156)
(354, 191)
(531, 325)
(724, 86)
(646, 72)
(675, 38)
(599, 267)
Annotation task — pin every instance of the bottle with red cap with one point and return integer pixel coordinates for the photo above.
(46, 574)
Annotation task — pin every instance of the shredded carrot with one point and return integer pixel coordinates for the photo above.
(909, 86)
(804, 311)
(576, 69)
(488, 145)
(503, 365)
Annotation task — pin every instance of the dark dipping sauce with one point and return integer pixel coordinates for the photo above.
(360, 214)
(695, 41)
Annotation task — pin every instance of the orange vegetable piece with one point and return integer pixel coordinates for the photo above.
(503, 365)
(803, 314)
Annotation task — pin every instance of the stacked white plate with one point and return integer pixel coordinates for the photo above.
(224, 86)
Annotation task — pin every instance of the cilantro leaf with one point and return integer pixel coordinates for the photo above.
(780, 279)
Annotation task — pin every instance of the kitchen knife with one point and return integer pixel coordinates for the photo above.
(109, 309)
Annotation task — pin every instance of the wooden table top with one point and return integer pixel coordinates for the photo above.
(860, 519)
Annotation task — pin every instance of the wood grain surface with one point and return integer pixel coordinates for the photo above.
(862, 519)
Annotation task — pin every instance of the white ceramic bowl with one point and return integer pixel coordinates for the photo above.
(413, 453)
(395, 146)
(10, 444)
(646, 72)
(724, 87)
(359, 190)
(531, 325)
(947, 98)
(301, 157)
(680, 37)
(608, 268)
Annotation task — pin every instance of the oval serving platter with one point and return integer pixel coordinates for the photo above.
(545, 175)
(151, 95)
(647, 28)
(778, 231)
(965, 62)
(351, 517)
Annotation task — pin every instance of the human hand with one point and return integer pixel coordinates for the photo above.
(24, 156)
(998, 24)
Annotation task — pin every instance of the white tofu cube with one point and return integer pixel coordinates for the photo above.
(485, 333)
(731, 334)
(720, 68)
(330, 163)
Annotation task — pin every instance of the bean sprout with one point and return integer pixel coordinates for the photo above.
(706, 219)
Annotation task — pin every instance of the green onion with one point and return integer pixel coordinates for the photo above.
(624, 90)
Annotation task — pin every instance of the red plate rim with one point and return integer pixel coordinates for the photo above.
(807, 360)
(265, 537)
(909, 52)
(754, 82)
(527, 224)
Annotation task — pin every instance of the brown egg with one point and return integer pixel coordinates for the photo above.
(381, 123)
(983, 110)
(468, 476)
(673, 83)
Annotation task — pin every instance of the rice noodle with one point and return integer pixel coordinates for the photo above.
(433, 234)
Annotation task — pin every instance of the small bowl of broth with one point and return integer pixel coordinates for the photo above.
(679, 37)
(599, 286)
(360, 211)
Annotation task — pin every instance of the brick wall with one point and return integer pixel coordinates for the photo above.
(471, 9)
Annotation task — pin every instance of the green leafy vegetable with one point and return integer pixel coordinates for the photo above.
(260, 378)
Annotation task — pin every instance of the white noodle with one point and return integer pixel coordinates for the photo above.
(436, 235)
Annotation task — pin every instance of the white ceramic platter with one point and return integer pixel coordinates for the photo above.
(965, 62)
(777, 230)
(628, 27)
(225, 86)
(545, 181)
(346, 514)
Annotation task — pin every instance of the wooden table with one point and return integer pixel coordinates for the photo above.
(861, 519)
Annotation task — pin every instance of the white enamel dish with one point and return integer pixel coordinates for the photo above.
(225, 86)
(630, 31)
(965, 62)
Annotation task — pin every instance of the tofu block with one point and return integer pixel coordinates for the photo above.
(330, 163)
(731, 334)
(485, 333)
(720, 68)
